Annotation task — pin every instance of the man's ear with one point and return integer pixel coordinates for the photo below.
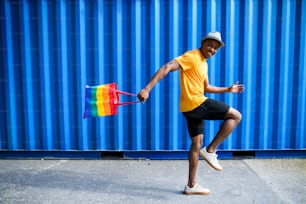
(219, 46)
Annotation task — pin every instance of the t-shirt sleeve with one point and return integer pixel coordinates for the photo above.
(186, 60)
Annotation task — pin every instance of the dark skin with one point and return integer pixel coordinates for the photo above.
(231, 120)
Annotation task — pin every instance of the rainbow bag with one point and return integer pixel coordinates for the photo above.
(103, 100)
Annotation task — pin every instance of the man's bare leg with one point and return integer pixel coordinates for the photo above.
(195, 147)
(232, 119)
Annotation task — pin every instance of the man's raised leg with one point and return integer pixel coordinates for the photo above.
(231, 120)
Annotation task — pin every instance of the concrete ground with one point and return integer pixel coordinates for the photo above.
(151, 181)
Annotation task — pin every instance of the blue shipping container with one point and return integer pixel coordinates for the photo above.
(49, 51)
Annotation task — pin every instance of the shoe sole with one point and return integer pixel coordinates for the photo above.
(210, 164)
(196, 193)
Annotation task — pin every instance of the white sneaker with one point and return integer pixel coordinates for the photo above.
(196, 190)
(211, 159)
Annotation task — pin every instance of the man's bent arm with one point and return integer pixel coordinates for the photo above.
(234, 88)
(216, 89)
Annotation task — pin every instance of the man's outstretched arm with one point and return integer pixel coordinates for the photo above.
(171, 66)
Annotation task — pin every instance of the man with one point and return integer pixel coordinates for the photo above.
(196, 107)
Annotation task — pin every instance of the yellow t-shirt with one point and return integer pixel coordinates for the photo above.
(192, 77)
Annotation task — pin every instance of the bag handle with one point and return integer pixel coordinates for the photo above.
(126, 103)
(125, 93)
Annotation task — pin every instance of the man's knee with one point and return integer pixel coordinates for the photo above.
(238, 117)
(196, 142)
(196, 145)
(234, 114)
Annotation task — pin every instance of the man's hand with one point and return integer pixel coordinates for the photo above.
(236, 88)
(143, 95)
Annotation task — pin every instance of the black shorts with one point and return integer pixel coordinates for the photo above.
(209, 110)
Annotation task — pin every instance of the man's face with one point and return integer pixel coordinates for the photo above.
(209, 48)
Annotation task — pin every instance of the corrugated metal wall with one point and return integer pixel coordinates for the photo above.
(51, 49)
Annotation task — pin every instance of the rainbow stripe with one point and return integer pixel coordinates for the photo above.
(101, 100)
